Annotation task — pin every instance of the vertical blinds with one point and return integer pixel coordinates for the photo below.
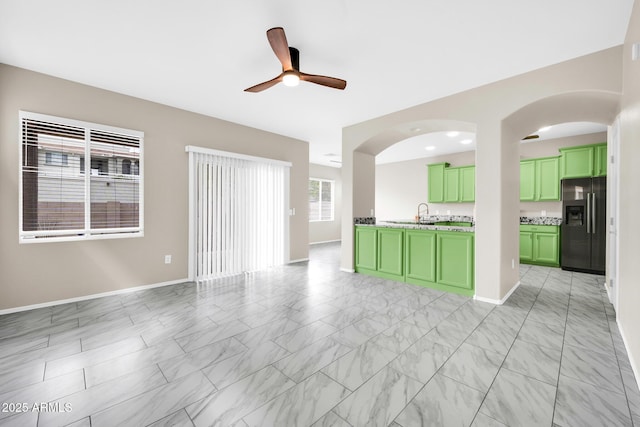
(240, 214)
(78, 179)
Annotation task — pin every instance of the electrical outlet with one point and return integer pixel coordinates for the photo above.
(167, 259)
(448, 212)
(543, 213)
(513, 263)
(371, 212)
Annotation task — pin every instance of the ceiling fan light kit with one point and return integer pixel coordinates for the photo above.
(289, 57)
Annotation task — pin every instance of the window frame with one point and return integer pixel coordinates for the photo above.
(333, 199)
(86, 233)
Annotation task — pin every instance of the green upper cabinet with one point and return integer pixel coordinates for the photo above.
(583, 161)
(467, 184)
(390, 252)
(528, 180)
(539, 179)
(600, 160)
(435, 174)
(547, 179)
(451, 185)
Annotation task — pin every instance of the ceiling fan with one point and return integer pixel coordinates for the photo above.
(530, 137)
(291, 75)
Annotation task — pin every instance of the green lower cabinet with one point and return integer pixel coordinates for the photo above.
(540, 244)
(526, 246)
(545, 248)
(391, 253)
(366, 248)
(420, 259)
(454, 261)
(437, 259)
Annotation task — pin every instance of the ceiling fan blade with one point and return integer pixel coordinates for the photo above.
(264, 85)
(278, 42)
(324, 80)
(530, 137)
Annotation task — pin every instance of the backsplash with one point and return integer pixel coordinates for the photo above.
(364, 220)
(451, 218)
(540, 220)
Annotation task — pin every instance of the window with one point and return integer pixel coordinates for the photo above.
(59, 201)
(320, 199)
(56, 159)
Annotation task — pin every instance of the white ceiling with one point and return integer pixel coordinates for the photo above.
(448, 143)
(199, 55)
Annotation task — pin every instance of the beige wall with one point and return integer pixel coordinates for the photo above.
(501, 113)
(327, 231)
(401, 186)
(629, 248)
(42, 272)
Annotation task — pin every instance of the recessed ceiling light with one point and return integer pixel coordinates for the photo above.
(415, 129)
(466, 141)
(544, 129)
(430, 148)
(453, 134)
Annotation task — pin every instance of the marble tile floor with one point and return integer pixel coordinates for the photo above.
(308, 345)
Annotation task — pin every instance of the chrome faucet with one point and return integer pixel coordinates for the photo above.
(422, 213)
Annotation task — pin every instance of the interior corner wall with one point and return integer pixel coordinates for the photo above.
(628, 315)
(38, 273)
(327, 231)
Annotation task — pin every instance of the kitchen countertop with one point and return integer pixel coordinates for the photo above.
(417, 226)
(540, 220)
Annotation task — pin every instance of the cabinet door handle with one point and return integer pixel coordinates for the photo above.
(589, 213)
(593, 213)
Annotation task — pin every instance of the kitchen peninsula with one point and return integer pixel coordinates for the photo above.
(436, 252)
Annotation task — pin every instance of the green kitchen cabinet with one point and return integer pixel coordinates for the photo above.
(583, 161)
(539, 179)
(528, 180)
(600, 168)
(390, 254)
(540, 244)
(526, 246)
(467, 177)
(366, 252)
(547, 179)
(435, 186)
(545, 248)
(454, 260)
(420, 256)
(451, 185)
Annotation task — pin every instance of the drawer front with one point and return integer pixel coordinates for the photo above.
(539, 228)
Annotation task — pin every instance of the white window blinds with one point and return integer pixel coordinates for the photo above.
(239, 213)
(78, 180)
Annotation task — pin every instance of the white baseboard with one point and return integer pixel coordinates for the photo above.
(634, 367)
(347, 270)
(92, 296)
(496, 301)
(293, 261)
(326, 241)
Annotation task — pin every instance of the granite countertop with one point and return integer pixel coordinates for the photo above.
(413, 225)
(540, 220)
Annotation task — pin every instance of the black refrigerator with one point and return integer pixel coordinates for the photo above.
(584, 224)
